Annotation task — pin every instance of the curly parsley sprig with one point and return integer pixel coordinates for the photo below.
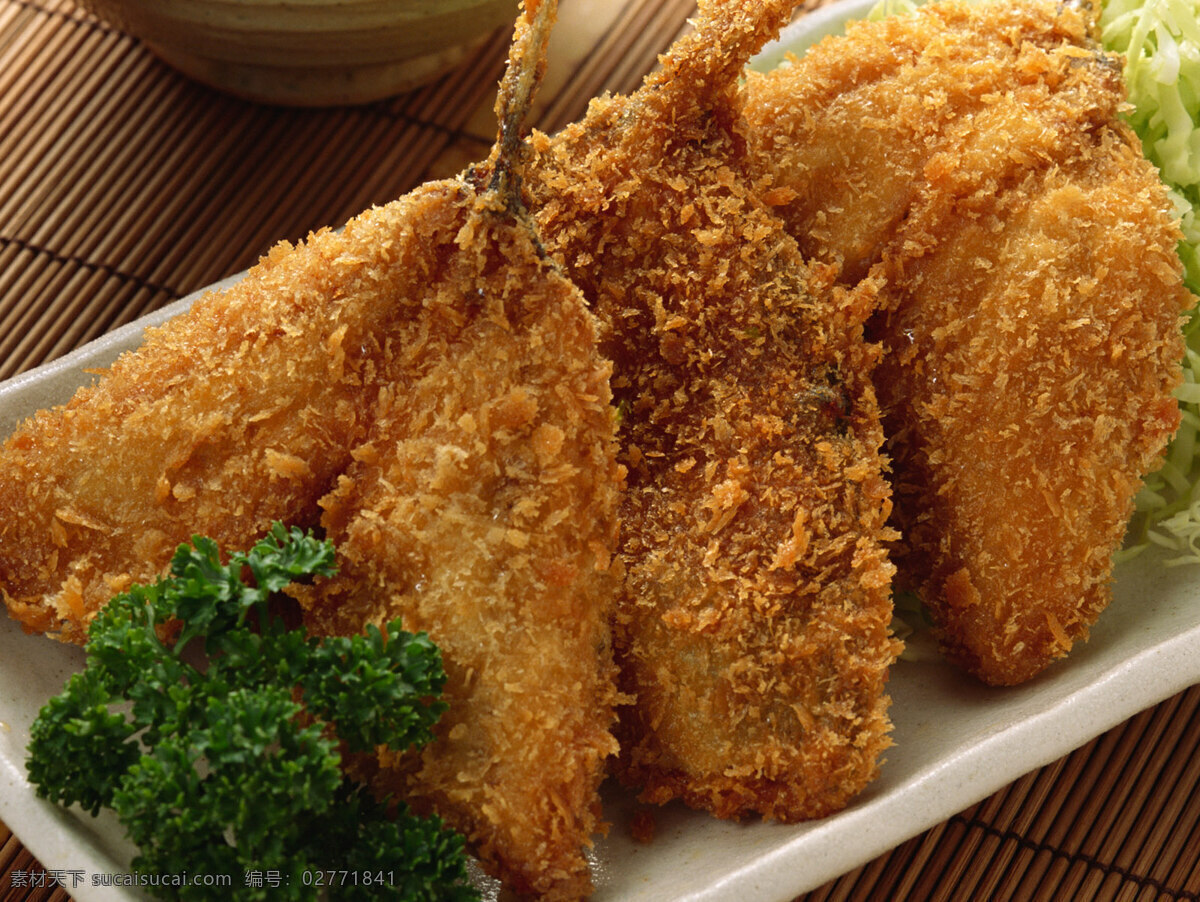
(234, 766)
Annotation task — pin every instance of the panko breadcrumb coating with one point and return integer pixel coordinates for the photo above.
(752, 625)
(974, 160)
(481, 508)
(237, 413)
(426, 385)
(953, 95)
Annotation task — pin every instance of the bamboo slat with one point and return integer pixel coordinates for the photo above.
(124, 186)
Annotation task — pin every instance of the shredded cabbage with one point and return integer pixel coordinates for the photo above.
(1160, 40)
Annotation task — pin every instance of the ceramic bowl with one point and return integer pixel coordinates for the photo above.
(309, 52)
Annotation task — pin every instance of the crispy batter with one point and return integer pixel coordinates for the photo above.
(430, 381)
(953, 96)
(1030, 319)
(1030, 362)
(753, 620)
(481, 508)
(239, 412)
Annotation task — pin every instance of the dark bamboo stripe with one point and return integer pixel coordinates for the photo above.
(1107, 869)
(88, 265)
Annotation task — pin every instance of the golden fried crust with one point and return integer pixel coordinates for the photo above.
(753, 621)
(1030, 361)
(850, 129)
(1030, 314)
(434, 384)
(240, 412)
(482, 509)
(427, 385)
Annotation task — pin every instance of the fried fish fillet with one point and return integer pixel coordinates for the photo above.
(1031, 309)
(936, 105)
(481, 508)
(427, 386)
(752, 624)
(240, 412)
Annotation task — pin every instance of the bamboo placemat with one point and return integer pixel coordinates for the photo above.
(123, 186)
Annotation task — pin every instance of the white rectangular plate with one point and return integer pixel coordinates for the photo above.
(956, 741)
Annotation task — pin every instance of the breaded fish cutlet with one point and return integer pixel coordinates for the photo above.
(1031, 305)
(425, 384)
(1030, 360)
(481, 508)
(953, 93)
(752, 625)
(240, 412)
